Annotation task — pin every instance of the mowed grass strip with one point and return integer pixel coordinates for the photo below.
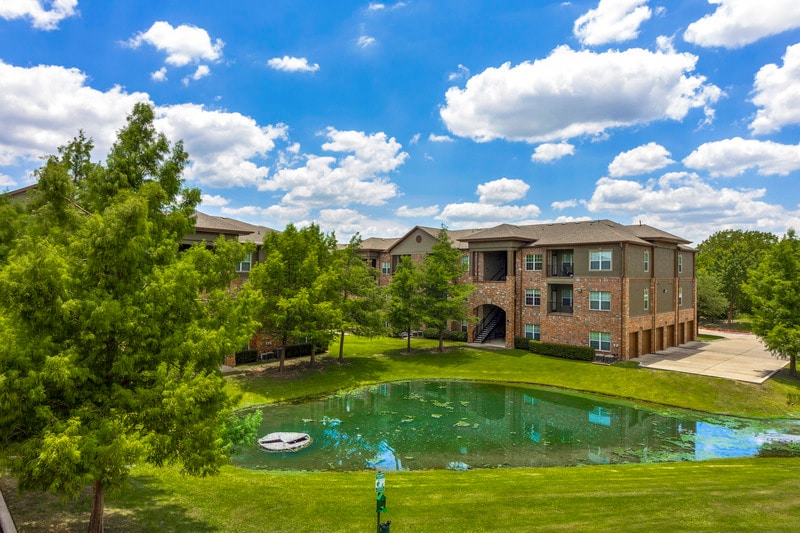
(730, 495)
(370, 361)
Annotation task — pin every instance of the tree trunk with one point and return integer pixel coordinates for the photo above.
(282, 358)
(441, 340)
(313, 354)
(793, 365)
(341, 347)
(98, 505)
(408, 340)
(730, 315)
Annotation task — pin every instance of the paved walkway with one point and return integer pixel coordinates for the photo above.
(739, 356)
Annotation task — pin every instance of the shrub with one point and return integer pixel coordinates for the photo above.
(246, 356)
(565, 351)
(433, 333)
(521, 343)
(458, 336)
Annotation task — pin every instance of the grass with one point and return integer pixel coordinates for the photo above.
(729, 495)
(263, 384)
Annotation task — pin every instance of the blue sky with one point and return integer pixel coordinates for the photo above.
(374, 117)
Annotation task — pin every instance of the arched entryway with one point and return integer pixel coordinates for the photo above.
(491, 325)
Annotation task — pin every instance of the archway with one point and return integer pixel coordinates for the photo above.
(492, 324)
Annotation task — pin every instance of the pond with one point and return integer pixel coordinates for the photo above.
(459, 425)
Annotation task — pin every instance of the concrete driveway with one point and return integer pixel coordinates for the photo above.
(739, 356)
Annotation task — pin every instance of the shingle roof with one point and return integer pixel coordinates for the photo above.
(377, 244)
(228, 226)
(649, 233)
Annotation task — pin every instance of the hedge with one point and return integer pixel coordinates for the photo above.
(246, 356)
(565, 351)
(521, 343)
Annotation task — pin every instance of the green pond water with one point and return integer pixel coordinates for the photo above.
(459, 425)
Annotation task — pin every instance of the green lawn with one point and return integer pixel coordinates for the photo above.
(730, 495)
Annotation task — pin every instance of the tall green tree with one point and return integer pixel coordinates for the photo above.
(361, 302)
(774, 288)
(444, 293)
(110, 340)
(710, 301)
(294, 301)
(729, 256)
(406, 303)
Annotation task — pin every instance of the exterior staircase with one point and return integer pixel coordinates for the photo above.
(487, 326)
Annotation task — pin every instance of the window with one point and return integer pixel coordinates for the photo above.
(532, 332)
(386, 267)
(465, 263)
(680, 296)
(599, 301)
(464, 326)
(600, 260)
(647, 261)
(646, 299)
(245, 264)
(680, 263)
(600, 341)
(533, 262)
(533, 297)
(566, 297)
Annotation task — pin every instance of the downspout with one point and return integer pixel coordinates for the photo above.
(623, 296)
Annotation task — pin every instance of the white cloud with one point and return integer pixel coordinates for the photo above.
(7, 181)
(330, 181)
(375, 6)
(440, 138)
(201, 72)
(737, 23)
(292, 64)
(45, 119)
(215, 200)
(640, 160)
(559, 206)
(777, 93)
(342, 221)
(731, 157)
(365, 41)
(460, 73)
(547, 152)
(159, 75)
(224, 147)
(473, 214)
(502, 191)
(612, 21)
(183, 45)
(35, 10)
(573, 93)
(492, 207)
(683, 204)
(416, 212)
(415, 139)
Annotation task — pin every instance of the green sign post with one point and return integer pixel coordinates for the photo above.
(380, 485)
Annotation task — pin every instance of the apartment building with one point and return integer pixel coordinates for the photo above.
(624, 290)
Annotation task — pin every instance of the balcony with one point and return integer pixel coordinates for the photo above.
(561, 264)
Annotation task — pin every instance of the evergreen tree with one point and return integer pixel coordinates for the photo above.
(406, 304)
(110, 340)
(444, 294)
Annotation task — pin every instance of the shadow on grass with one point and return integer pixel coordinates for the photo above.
(129, 510)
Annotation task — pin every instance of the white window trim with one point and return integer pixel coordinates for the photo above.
(599, 300)
(600, 260)
(248, 260)
(598, 344)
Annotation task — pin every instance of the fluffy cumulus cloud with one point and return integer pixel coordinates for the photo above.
(572, 93)
(360, 177)
(680, 203)
(731, 157)
(640, 160)
(214, 200)
(44, 15)
(611, 21)
(777, 94)
(224, 147)
(44, 119)
(492, 206)
(736, 23)
(547, 152)
(565, 204)
(416, 212)
(440, 138)
(502, 191)
(183, 45)
(292, 64)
